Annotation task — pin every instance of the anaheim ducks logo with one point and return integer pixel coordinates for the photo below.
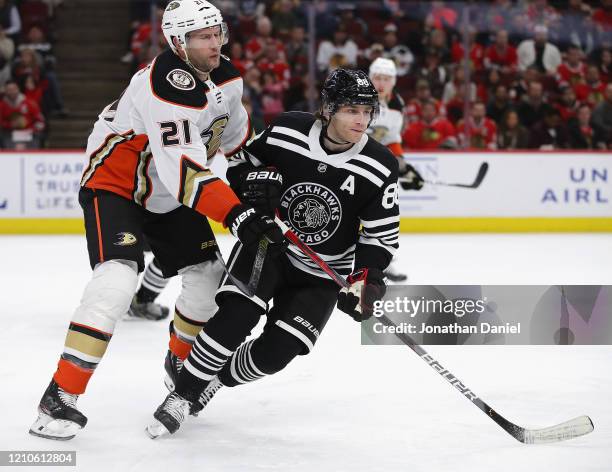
(313, 211)
(181, 79)
(125, 239)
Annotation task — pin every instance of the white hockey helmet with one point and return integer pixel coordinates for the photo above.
(383, 66)
(183, 16)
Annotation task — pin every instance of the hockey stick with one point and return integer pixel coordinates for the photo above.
(568, 430)
(482, 171)
(250, 288)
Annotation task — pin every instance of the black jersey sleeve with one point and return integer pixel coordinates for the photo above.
(379, 234)
(257, 152)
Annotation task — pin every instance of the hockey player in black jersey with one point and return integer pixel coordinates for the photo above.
(337, 189)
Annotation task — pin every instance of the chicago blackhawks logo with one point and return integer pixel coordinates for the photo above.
(313, 211)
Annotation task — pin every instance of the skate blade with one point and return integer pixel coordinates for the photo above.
(50, 428)
(169, 383)
(156, 430)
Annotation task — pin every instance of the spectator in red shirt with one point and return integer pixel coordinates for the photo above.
(477, 52)
(142, 35)
(423, 94)
(501, 55)
(256, 46)
(237, 58)
(572, 71)
(431, 131)
(21, 120)
(603, 17)
(592, 90)
(478, 131)
(271, 61)
(567, 105)
(441, 17)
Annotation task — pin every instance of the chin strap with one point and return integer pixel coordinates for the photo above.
(326, 136)
(190, 64)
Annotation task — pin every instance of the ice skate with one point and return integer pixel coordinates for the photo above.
(58, 416)
(169, 416)
(147, 311)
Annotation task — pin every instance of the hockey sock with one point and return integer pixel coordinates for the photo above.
(206, 358)
(153, 282)
(223, 333)
(73, 373)
(182, 334)
(240, 368)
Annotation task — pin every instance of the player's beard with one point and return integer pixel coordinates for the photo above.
(204, 65)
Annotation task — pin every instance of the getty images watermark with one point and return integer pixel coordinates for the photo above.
(492, 314)
(415, 308)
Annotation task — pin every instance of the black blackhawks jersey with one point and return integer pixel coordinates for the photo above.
(326, 198)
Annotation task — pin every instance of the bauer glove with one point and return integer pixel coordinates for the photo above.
(250, 226)
(261, 188)
(366, 287)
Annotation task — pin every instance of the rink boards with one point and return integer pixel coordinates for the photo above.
(522, 192)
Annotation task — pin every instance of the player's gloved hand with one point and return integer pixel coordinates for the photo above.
(261, 188)
(367, 286)
(410, 179)
(250, 226)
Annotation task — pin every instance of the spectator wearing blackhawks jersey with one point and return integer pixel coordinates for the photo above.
(387, 128)
(148, 177)
(430, 132)
(326, 178)
(572, 71)
(478, 131)
(501, 55)
(423, 94)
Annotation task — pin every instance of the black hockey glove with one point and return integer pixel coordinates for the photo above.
(367, 286)
(410, 179)
(261, 188)
(250, 226)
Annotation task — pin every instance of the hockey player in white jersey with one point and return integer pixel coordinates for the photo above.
(337, 189)
(148, 177)
(387, 130)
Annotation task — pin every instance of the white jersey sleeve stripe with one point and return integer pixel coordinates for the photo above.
(381, 222)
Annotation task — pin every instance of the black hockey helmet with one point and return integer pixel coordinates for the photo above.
(348, 87)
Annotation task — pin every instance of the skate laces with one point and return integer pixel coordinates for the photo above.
(176, 406)
(68, 399)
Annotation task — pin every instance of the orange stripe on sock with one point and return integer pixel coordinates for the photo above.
(178, 347)
(100, 247)
(72, 377)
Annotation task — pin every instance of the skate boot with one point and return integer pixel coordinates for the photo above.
(58, 417)
(169, 416)
(173, 366)
(211, 389)
(147, 310)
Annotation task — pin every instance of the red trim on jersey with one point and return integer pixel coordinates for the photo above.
(228, 81)
(216, 200)
(100, 246)
(92, 329)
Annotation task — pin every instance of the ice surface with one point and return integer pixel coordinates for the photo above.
(345, 407)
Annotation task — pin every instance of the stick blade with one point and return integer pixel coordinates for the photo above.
(562, 432)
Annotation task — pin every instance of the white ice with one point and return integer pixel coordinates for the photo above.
(345, 407)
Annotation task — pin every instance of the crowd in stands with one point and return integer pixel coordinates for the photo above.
(536, 76)
(29, 88)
